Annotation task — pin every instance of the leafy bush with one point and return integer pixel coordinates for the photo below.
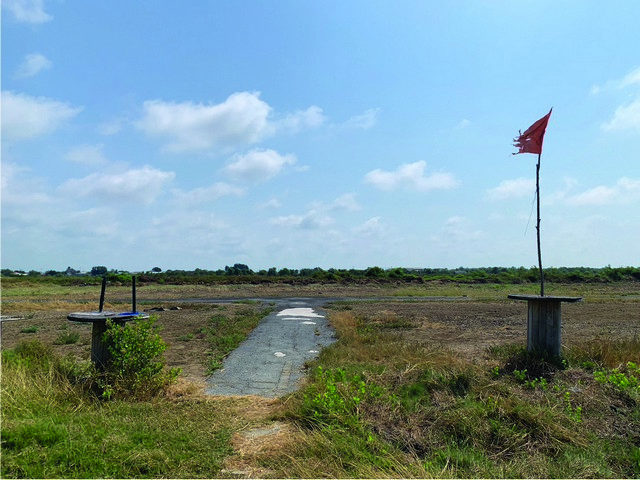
(136, 368)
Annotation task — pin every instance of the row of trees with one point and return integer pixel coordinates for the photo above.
(241, 273)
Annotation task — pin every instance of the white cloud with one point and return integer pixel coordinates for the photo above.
(346, 202)
(136, 185)
(25, 117)
(87, 155)
(632, 78)
(33, 64)
(626, 117)
(271, 204)
(364, 121)
(312, 220)
(241, 120)
(206, 194)
(369, 228)
(411, 176)
(516, 188)
(258, 165)
(464, 123)
(457, 228)
(27, 11)
(625, 190)
(111, 127)
(312, 117)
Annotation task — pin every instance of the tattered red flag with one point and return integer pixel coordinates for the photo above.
(531, 140)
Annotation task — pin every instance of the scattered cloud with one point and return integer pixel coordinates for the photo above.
(33, 64)
(625, 190)
(364, 121)
(111, 127)
(271, 204)
(626, 117)
(201, 195)
(312, 220)
(141, 185)
(457, 228)
(92, 155)
(312, 117)
(346, 202)
(516, 188)
(371, 227)
(25, 117)
(464, 123)
(241, 120)
(632, 78)
(27, 11)
(258, 165)
(411, 176)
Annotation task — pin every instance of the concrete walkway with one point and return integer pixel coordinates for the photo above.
(270, 362)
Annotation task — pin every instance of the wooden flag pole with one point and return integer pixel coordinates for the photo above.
(538, 226)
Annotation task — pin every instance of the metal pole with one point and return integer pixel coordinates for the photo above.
(538, 226)
(133, 293)
(102, 291)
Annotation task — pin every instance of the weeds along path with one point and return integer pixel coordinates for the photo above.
(269, 363)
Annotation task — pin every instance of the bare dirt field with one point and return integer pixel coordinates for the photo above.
(469, 320)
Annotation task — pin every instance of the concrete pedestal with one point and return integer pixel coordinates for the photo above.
(544, 322)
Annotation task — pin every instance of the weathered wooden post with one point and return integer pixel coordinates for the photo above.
(544, 322)
(100, 354)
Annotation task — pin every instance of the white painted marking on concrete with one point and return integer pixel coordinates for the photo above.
(280, 354)
(313, 351)
(300, 312)
(309, 323)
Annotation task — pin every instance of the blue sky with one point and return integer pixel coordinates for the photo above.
(301, 133)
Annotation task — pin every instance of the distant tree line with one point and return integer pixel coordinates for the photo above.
(241, 273)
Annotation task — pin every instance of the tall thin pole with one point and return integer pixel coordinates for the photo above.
(102, 292)
(538, 226)
(134, 302)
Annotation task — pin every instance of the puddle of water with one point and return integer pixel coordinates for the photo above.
(299, 312)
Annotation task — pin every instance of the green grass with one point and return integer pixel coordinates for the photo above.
(374, 406)
(53, 428)
(31, 329)
(377, 406)
(67, 338)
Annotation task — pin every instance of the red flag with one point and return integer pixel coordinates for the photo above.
(531, 140)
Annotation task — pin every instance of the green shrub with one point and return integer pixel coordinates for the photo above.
(136, 368)
(31, 329)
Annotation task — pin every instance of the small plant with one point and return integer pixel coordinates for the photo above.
(575, 413)
(186, 338)
(626, 380)
(520, 375)
(533, 384)
(335, 397)
(495, 372)
(31, 329)
(67, 338)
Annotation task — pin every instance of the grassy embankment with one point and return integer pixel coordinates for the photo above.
(375, 406)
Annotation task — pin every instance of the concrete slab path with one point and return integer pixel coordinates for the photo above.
(270, 362)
